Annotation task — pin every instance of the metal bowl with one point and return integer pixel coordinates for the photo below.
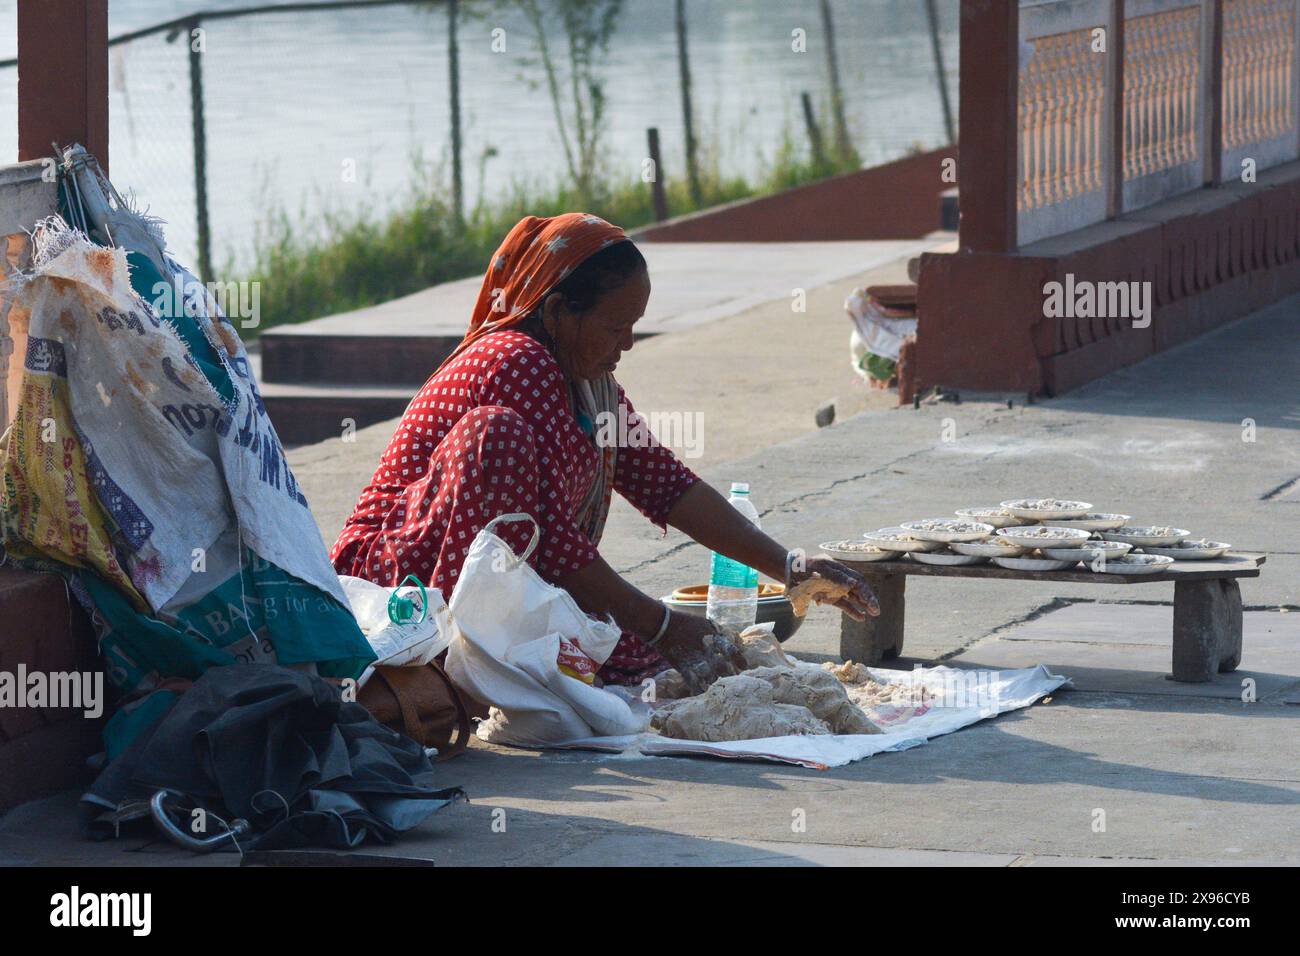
(776, 610)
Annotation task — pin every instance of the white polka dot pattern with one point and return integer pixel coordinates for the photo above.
(491, 433)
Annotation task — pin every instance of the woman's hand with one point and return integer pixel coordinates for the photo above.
(700, 652)
(858, 603)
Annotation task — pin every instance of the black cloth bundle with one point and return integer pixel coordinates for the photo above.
(281, 749)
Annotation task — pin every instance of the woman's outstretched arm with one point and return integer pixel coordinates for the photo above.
(663, 489)
(709, 518)
(703, 514)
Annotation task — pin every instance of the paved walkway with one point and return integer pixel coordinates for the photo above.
(694, 283)
(1124, 768)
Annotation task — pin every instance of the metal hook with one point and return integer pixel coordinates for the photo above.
(169, 829)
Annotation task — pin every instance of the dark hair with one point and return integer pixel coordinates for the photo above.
(600, 272)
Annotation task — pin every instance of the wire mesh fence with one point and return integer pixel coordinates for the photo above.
(331, 110)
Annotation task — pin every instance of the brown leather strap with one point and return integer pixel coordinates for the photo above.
(410, 716)
(462, 715)
(413, 727)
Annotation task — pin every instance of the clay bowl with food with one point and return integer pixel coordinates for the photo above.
(947, 558)
(992, 548)
(773, 606)
(998, 517)
(1046, 509)
(1095, 521)
(1147, 537)
(899, 539)
(1090, 551)
(1034, 562)
(1136, 564)
(851, 550)
(945, 530)
(1192, 550)
(1044, 536)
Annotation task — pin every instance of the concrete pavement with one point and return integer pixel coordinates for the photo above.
(1126, 768)
(1189, 773)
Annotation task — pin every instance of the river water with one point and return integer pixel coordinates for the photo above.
(317, 111)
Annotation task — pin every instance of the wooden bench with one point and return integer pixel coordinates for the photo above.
(1207, 607)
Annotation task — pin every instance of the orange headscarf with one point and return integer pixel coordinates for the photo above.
(536, 255)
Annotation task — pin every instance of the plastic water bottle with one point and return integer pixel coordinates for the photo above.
(733, 587)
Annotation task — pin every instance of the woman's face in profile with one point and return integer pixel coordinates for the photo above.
(589, 344)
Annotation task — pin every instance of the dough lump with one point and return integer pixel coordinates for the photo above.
(740, 707)
(756, 645)
(816, 588)
(869, 694)
(761, 649)
(849, 672)
(820, 692)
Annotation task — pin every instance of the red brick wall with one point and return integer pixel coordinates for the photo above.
(899, 200)
(1212, 257)
(43, 750)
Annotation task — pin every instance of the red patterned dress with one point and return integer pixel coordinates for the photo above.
(493, 432)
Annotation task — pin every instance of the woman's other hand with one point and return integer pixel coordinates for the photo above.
(857, 603)
(699, 651)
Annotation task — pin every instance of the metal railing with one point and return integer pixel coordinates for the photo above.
(1064, 98)
(1124, 103)
(1165, 95)
(1261, 83)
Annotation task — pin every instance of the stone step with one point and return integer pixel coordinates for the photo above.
(289, 358)
(308, 413)
(294, 358)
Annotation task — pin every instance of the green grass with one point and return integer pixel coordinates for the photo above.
(336, 261)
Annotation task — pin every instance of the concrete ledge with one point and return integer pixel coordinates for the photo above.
(28, 196)
(303, 415)
(47, 760)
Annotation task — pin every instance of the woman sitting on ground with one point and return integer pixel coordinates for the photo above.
(510, 423)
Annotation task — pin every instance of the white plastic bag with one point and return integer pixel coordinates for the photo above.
(506, 629)
(408, 644)
(875, 332)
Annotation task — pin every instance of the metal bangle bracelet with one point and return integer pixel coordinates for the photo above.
(789, 566)
(663, 627)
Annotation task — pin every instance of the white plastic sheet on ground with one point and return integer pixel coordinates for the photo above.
(507, 627)
(984, 694)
